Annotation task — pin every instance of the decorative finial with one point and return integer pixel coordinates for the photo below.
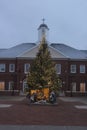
(43, 20)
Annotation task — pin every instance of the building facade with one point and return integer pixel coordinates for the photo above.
(70, 63)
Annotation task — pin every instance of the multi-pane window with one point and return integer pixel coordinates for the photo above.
(26, 68)
(73, 68)
(82, 68)
(11, 67)
(2, 67)
(58, 68)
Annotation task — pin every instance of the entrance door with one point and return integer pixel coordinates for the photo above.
(82, 87)
(2, 85)
(25, 86)
(73, 84)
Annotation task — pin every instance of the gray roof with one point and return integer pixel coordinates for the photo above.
(1, 50)
(59, 49)
(13, 52)
(85, 51)
(69, 52)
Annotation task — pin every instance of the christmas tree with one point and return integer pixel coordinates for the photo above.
(42, 71)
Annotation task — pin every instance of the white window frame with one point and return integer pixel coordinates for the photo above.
(82, 69)
(11, 67)
(73, 68)
(2, 67)
(26, 68)
(58, 68)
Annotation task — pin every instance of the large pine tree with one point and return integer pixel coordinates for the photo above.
(42, 71)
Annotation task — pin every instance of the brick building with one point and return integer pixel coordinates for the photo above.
(70, 63)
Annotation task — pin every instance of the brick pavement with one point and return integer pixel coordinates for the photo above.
(63, 114)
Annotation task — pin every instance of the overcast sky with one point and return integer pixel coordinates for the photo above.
(67, 20)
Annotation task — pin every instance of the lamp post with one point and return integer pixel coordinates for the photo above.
(63, 88)
(49, 85)
(71, 91)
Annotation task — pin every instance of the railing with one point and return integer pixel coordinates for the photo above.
(9, 92)
(75, 93)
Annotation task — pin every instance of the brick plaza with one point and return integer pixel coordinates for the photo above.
(21, 113)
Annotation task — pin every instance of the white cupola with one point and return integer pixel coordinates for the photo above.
(43, 31)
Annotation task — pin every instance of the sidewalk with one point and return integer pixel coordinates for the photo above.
(12, 98)
(74, 99)
(32, 127)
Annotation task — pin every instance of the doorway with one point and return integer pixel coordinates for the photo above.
(82, 87)
(25, 86)
(2, 86)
